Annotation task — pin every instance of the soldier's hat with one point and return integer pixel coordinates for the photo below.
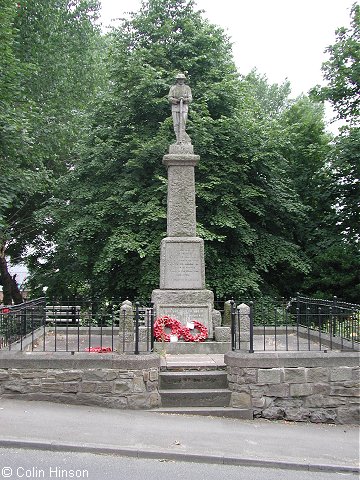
(180, 75)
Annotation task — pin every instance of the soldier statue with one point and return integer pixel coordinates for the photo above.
(180, 97)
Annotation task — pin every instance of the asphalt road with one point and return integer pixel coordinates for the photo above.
(34, 464)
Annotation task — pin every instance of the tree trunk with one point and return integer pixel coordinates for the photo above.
(15, 292)
(6, 282)
(10, 289)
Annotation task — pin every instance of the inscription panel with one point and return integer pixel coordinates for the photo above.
(200, 313)
(183, 266)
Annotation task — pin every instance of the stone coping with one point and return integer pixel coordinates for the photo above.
(183, 160)
(40, 360)
(291, 359)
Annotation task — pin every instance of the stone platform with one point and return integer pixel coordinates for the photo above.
(192, 362)
(192, 348)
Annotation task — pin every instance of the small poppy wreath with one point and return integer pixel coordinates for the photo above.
(99, 349)
(199, 337)
(161, 323)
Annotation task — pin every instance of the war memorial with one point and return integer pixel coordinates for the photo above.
(182, 292)
(289, 370)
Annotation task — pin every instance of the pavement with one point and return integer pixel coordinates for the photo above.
(147, 434)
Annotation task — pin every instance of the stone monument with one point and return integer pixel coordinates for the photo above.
(182, 294)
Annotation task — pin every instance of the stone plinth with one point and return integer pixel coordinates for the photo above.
(182, 263)
(185, 305)
(223, 334)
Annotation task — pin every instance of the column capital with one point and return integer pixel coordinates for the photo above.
(184, 160)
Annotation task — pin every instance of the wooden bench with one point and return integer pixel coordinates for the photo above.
(64, 314)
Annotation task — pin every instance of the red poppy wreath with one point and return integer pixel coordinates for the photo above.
(161, 323)
(199, 337)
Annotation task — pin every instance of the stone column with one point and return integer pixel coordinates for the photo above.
(181, 208)
(182, 292)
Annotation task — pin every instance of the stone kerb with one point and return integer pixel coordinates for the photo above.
(299, 386)
(221, 334)
(113, 381)
(242, 319)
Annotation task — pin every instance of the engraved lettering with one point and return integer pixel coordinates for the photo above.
(183, 266)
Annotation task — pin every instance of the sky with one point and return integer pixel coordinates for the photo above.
(283, 39)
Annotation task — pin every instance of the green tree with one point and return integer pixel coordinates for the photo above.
(345, 167)
(337, 266)
(17, 176)
(46, 78)
(342, 70)
(109, 212)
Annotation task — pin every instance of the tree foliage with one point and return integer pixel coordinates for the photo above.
(342, 70)
(276, 201)
(46, 75)
(110, 214)
(337, 265)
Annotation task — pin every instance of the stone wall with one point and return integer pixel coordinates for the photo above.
(299, 386)
(113, 381)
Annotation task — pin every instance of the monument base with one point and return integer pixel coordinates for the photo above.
(185, 306)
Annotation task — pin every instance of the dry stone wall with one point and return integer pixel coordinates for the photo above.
(109, 381)
(298, 386)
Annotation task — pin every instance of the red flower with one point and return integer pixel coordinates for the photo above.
(159, 328)
(199, 337)
(99, 349)
(179, 330)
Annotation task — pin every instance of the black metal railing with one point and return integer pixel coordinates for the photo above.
(18, 322)
(301, 323)
(77, 325)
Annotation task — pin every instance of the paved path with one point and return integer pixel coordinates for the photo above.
(146, 434)
(193, 361)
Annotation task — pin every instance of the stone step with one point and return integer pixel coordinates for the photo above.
(192, 368)
(181, 348)
(216, 397)
(193, 379)
(227, 412)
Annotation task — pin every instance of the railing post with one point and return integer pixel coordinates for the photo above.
(308, 316)
(233, 326)
(43, 317)
(251, 350)
(319, 325)
(73, 312)
(335, 311)
(32, 331)
(151, 327)
(137, 318)
(331, 326)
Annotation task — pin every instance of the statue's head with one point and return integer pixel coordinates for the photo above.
(180, 78)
